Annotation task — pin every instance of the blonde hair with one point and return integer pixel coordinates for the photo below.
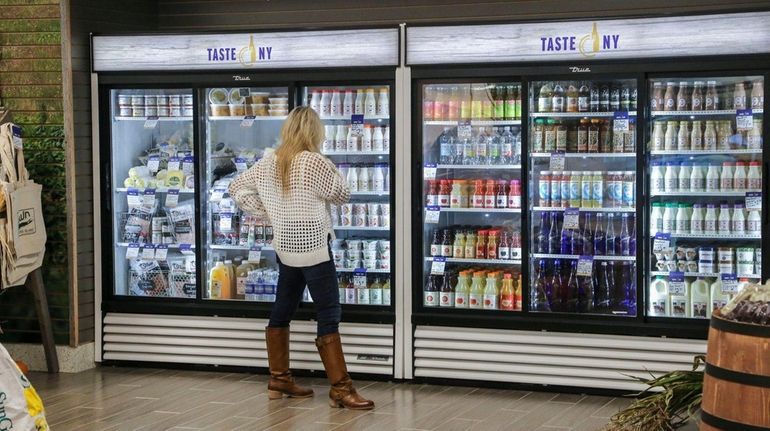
(302, 131)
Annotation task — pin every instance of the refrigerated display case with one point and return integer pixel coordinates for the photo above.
(186, 276)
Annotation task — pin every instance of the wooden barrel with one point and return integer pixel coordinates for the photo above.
(736, 385)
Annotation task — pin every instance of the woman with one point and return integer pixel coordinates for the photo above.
(293, 187)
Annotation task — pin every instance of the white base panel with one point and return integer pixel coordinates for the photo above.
(548, 358)
(231, 341)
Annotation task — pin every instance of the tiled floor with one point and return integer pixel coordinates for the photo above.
(151, 399)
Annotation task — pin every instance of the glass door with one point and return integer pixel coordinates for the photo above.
(358, 134)
(705, 176)
(583, 196)
(153, 183)
(241, 124)
(471, 146)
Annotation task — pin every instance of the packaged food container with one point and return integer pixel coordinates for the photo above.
(746, 268)
(187, 100)
(370, 254)
(235, 97)
(745, 254)
(384, 264)
(219, 110)
(138, 111)
(370, 264)
(359, 209)
(258, 109)
(258, 98)
(706, 253)
(692, 266)
(359, 220)
(277, 113)
(126, 111)
(279, 100)
(726, 267)
(706, 266)
(354, 244)
(124, 99)
(373, 221)
(174, 100)
(345, 220)
(187, 111)
(162, 99)
(151, 110)
(218, 96)
(163, 111)
(137, 100)
(237, 110)
(150, 99)
(174, 111)
(725, 254)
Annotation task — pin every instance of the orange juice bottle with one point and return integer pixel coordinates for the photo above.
(219, 281)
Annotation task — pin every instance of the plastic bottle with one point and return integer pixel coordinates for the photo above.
(683, 137)
(469, 151)
(658, 136)
(490, 293)
(657, 178)
(386, 138)
(738, 226)
(685, 173)
(470, 245)
(724, 221)
(335, 107)
(680, 302)
(656, 218)
(682, 223)
(366, 139)
(364, 182)
(347, 104)
(461, 290)
(341, 139)
(696, 136)
(494, 146)
(669, 218)
(481, 244)
(444, 190)
(507, 294)
(713, 178)
(370, 103)
(219, 281)
(710, 137)
(378, 179)
(241, 275)
(358, 105)
(718, 298)
(482, 147)
(739, 176)
(514, 194)
(629, 189)
(754, 177)
(375, 292)
(506, 147)
(597, 190)
(710, 220)
(699, 299)
(669, 139)
(328, 144)
(352, 179)
(697, 219)
(383, 103)
(754, 222)
(555, 189)
(659, 297)
(325, 104)
(353, 142)
(586, 192)
(727, 175)
(697, 179)
(671, 179)
(476, 294)
(456, 194)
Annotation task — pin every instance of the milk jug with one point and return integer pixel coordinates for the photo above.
(699, 299)
(659, 300)
(680, 302)
(718, 298)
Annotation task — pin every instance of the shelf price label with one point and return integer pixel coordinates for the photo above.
(621, 121)
(437, 266)
(240, 164)
(148, 252)
(661, 241)
(133, 198)
(572, 218)
(676, 283)
(148, 200)
(151, 122)
(172, 198)
(248, 121)
(174, 163)
(225, 222)
(432, 214)
(359, 278)
(464, 130)
(188, 165)
(153, 164)
(357, 124)
(429, 171)
(161, 251)
(218, 194)
(255, 254)
(557, 161)
(585, 266)
(186, 249)
(729, 283)
(744, 119)
(133, 251)
(754, 201)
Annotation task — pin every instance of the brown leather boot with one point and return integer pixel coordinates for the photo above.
(342, 392)
(281, 382)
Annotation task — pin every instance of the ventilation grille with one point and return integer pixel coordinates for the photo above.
(236, 341)
(547, 358)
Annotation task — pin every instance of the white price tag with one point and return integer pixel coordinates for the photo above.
(240, 164)
(133, 251)
(432, 214)
(248, 121)
(464, 130)
(571, 218)
(174, 164)
(621, 122)
(744, 119)
(133, 198)
(172, 198)
(585, 266)
(217, 194)
(729, 284)
(357, 124)
(676, 283)
(153, 164)
(188, 165)
(186, 249)
(161, 251)
(148, 252)
(17, 141)
(359, 277)
(753, 201)
(661, 241)
(148, 199)
(437, 266)
(225, 222)
(429, 171)
(255, 254)
(557, 161)
(151, 122)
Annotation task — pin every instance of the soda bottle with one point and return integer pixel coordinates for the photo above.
(501, 196)
(603, 291)
(610, 238)
(565, 244)
(541, 240)
(495, 147)
(476, 294)
(585, 303)
(571, 292)
(453, 105)
(554, 236)
(539, 297)
(446, 147)
(461, 290)
(491, 293)
(510, 103)
(431, 291)
(625, 237)
(447, 295)
(599, 238)
(507, 295)
(498, 102)
(557, 288)
(576, 241)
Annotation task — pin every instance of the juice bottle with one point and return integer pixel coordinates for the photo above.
(492, 244)
(447, 295)
(455, 200)
(517, 292)
(477, 195)
(476, 294)
(444, 190)
(428, 102)
(572, 98)
(490, 293)
(219, 281)
(586, 187)
(504, 248)
(538, 136)
(470, 245)
(498, 101)
(501, 196)
(507, 295)
(440, 104)
(545, 98)
(597, 189)
(462, 290)
(544, 189)
(465, 102)
(375, 292)
(458, 248)
(489, 194)
(430, 294)
(510, 103)
(477, 93)
(481, 245)
(453, 105)
(514, 194)
(386, 292)
(230, 291)
(487, 108)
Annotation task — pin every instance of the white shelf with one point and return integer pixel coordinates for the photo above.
(368, 271)
(696, 113)
(158, 190)
(480, 167)
(475, 123)
(159, 119)
(702, 152)
(366, 118)
(169, 246)
(585, 155)
(706, 274)
(363, 228)
(704, 193)
(356, 153)
(575, 257)
(588, 210)
(579, 114)
(729, 236)
(241, 118)
(513, 262)
(383, 194)
(481, 210)
(239, 248)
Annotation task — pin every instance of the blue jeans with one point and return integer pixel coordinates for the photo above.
(321, 280)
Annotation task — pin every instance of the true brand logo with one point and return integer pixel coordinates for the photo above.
(588, 45)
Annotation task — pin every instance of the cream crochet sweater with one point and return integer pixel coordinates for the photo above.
(300, 218)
